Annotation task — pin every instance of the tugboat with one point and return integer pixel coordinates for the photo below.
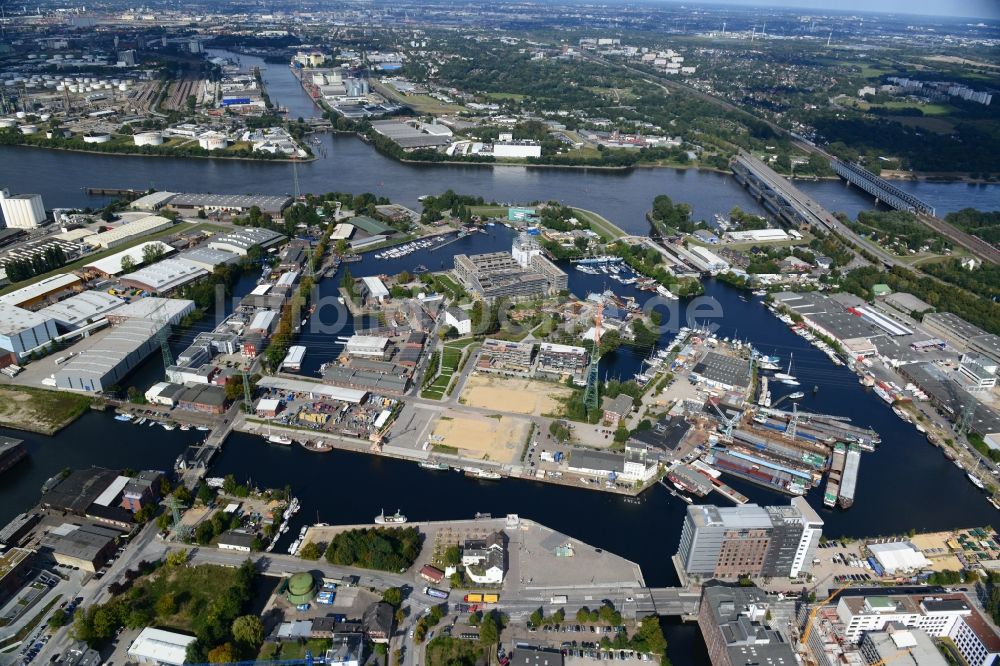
(396, 518)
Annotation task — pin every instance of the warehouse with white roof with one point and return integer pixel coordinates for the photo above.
(37, 292)
(128, 232)
(898, 556)
(170, 310)
(111, 265)
(242, 240)
(82, 309)
(208, 258)
(163, 277)
(156, 646)
(23, 330)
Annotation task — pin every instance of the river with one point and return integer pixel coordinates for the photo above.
(893, 484)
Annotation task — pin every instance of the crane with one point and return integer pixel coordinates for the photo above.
(804, 638)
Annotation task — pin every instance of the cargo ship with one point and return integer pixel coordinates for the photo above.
(761, 475)
(836, 474)
(850, 478)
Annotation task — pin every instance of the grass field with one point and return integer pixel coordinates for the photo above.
(91, 258)
(501, 96)
(446, 651)
(926, 109)
(419, 103)
(599, 223)
(449, 364)
(489, 211)
(40, 410)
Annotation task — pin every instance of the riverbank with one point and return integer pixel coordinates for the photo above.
(270, 159)
(39, 410)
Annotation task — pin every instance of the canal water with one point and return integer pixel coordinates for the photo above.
(893, 484)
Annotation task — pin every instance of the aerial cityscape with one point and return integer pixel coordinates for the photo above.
(463, 333)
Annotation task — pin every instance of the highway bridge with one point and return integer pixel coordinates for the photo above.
(792, 206)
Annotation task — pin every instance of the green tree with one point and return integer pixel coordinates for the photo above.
(537, 617)
(166, 605)
(453, 555)
(177, 558)
(58, 619)
(393, 596)
(310, 551)
(151, 253)
(128, 264)
(223, 654)
(249, 631)
(489, 634)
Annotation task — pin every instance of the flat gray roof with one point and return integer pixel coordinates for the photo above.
(952, 322)
(247, 237)
(13, 320)
(724, 369)
(267, 203)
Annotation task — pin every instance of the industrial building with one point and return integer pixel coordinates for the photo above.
(104, 359)
(163, 277)
(239, 242)
(739, 626)
(722, 372)
(374, 291)
(961, 334)
(368, 346)
(157, 647)
(408, 137)
(111, 265)
(15, 570)
(22, 211)
(81, 309)
(22, 330)
(562, 359)
(751, 540)
(369, 375)
(238, 204)
(129, 232)
(86, 546)
(208, 258)
(950, 396)
(36, 292)
(170, 310)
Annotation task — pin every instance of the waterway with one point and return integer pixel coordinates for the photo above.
(893, 484)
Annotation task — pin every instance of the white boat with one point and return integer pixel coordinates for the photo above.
(783, 376)
(168, 426)
(976, 482)
(790, 382)
(279, 439)
(798, 395)
(396, 518)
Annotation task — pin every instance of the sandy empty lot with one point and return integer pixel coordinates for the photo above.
(498, 439)
(522, 396)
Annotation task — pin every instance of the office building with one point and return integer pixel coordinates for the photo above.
(524, 273)
(739, 627)
(506, 356)
(750, 540)
(879, 647)
(949, 615)
(561, 359)
(22, 211)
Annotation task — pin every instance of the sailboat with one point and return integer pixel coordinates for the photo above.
(787, 377)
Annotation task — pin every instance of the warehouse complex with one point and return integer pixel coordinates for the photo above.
(105, 358)
(129, 232)
(239, 242)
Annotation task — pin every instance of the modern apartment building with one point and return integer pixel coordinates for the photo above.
(750, 540)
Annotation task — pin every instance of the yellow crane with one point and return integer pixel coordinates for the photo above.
(812, 614)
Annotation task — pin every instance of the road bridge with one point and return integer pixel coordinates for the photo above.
(790, 205)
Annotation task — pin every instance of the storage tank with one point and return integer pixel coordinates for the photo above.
(213, 141)
(96, 137)
(122, 87)
(29, 129)
(148, 139)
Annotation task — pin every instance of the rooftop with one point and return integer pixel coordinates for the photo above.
(166, 275)
(40, 289)
(267, 203)
(13, 320)
(112, 264)
(81, 307)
